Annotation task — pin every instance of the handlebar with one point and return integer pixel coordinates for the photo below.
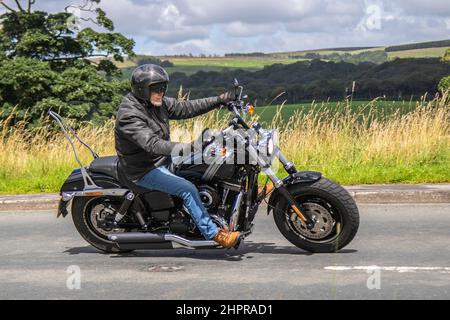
(234, 107)
(208, 142)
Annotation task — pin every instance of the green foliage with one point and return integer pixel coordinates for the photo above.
(83, 94)
(251, 54)
(144, 59)
(446, 57)
(377, 57)
(47, 62)
(103, 20)
(24, 82)
(319, 80)
(444, 84)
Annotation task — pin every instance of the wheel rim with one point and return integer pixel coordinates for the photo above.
(96, 211)
(329, 220)
(324, 221)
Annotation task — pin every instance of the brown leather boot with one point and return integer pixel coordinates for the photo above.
(227, 239)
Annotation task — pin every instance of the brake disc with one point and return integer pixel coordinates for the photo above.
(324, 222)
(99, 215)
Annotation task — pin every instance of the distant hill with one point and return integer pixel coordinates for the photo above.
(254, 61)
(422, 45)
(431, 49)
(320, 80)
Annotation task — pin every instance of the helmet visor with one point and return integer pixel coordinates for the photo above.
(158, 87)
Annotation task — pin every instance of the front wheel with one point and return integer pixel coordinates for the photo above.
(335, 212)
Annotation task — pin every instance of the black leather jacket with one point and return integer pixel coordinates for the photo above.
(142, 134)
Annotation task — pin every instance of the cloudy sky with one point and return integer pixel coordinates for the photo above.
(222, 26)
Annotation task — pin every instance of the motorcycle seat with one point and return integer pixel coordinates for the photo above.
(106, 165)
(111, 167)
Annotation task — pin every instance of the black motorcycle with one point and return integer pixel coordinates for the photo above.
(115, 215)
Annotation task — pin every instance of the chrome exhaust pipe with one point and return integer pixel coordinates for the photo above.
(190, 243)
(136, 237)
(139, 240)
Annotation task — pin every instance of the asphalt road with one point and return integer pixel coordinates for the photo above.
(410, 245)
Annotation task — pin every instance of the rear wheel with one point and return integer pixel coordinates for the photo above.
(334, 210)
(90, 215)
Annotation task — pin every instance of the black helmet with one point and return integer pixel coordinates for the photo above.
(144, 76)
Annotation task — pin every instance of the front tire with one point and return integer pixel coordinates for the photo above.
(81, 207)
(337, 214)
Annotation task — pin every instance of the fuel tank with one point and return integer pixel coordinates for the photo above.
(207, 171)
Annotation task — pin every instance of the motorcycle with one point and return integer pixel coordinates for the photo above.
(114, 215)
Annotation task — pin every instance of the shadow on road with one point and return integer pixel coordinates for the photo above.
(244, 252)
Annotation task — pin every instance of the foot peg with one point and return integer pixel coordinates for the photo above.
(238, 242)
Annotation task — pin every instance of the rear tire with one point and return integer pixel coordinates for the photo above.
(79, 217)
(327, 194)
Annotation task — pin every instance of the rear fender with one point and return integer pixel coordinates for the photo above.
(75, 181)
(74, 184)
(303, 177)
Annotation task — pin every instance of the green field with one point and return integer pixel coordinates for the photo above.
(403, 54)
(379, 109)
(191, 65)
(418, 53)
(284, 55)
(237, 63)
(189, 69)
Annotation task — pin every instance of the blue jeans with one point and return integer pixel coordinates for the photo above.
(161, 179)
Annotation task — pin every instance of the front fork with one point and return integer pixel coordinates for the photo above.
(305, 216)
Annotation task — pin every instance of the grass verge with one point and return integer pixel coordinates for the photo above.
(350, 145)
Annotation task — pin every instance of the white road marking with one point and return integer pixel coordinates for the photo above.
(393, 268)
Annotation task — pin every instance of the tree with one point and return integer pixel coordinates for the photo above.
(446, 57)
(143, 59)
(444, 84)
(322, 80)
(48, 61)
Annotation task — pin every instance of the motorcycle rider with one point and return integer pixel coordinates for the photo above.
(142, 141)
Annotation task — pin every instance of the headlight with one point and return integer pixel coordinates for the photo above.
(268, 141)
(270, 146)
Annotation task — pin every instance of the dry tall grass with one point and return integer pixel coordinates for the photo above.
(348, 147)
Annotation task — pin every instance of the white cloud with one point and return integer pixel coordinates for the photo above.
(241, 29)
(221, 26)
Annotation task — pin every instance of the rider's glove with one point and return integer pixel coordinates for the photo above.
(228, 96)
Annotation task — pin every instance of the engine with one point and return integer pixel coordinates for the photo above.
(180, 223)
(210, 198)
(217, 199)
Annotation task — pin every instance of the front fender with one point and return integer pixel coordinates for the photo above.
(305, 177)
